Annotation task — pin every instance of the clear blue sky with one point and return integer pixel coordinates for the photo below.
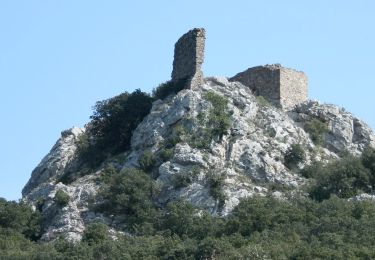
(57, 58)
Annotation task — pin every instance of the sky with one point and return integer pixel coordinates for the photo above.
(57, 58)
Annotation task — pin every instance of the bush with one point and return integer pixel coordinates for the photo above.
(184, 179)
(20, 218)
(95, 233)
(216, 183)
(219, 117)
(181, 180)
(368, 160)
(317, 129)
(344, 178)
(61, 198)
(214, 124)
(168, 88)
(294, 156)
(112, 125)
(166, 154)
(147, 161)
(128, 193)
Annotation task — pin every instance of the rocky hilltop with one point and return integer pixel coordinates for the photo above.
(192, 160)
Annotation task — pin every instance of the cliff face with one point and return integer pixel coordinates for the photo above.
(248, 159)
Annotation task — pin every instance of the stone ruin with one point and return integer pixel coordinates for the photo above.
(188, 58)
(281, 86)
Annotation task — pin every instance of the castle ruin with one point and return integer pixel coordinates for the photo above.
(281, 86)
(188, 58)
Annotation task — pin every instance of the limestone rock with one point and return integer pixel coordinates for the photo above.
(55, 162)
(248, 160)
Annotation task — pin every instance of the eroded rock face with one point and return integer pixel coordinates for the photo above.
(55, 162)
(249, 159)
(346, 132)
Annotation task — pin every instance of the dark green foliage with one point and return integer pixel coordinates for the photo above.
(20, 218)
(214, 124)
(61, 198)
(219, 117)
(95, 233)
(345, 178)
(166, 154)
(181, 180)
(216, 183)
(186, 178)
(294, 156)
(317, 129)
(129, 192)
(147, 161)
(168, 88)
(258, 228)
(311, 171)
(112, 125)
(368, 160)
(175, 137)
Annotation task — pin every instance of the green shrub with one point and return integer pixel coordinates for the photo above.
(112, 125)
(166, 154)
(168, 88)
(20, 218)
(294, 156)
(212, 125)
(184, 179)
(61, 198)
(128, 193)
(344, 178)
(262, 101)
(176, 136)
(219, 117)
(317, 129)
(147, 161)
(216, 183)
(368, 160)
(95, 233)
(181, 180)
(312, 171)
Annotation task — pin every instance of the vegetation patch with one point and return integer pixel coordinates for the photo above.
(168, 88)
(95, 233)
(147, 161)
(216, 184)
(262, 101)
(317, 129)
(166, 154)
(128, 192)
(112, 125)
(61, 198)
(295, 155)
(184, 179)
(214, 124)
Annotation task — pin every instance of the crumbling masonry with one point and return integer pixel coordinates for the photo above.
(281, 86)
(188, 58)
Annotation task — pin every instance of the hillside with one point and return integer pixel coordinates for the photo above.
(226, 154)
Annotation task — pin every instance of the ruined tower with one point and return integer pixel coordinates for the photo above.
(188, 58)
(281, 86)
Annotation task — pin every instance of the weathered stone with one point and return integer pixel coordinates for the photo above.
(281, 86)
(54, 163)
(188, 58)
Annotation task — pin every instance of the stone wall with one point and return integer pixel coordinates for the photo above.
(188, 57)
(281, 86)
(293, 87)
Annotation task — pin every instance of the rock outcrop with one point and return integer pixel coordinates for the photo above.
(249, 159)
